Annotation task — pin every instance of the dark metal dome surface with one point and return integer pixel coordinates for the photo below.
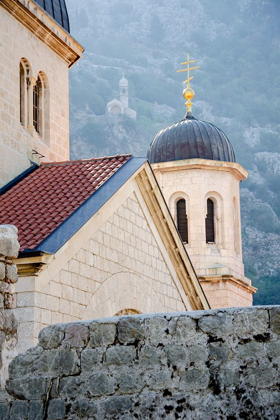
(190, 139)
(57, 10)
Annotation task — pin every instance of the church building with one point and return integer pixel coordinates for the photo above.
(117, 107)
(97, 237)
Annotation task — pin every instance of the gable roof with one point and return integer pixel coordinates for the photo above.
(43, 203)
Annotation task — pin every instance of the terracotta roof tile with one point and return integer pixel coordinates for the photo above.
(44, 199)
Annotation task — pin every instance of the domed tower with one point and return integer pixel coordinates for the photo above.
(123, 86)
(195, 165)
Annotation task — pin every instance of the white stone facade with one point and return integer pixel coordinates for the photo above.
(18, 42)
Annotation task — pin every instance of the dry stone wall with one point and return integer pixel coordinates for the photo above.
(219, 364)
(9, 248)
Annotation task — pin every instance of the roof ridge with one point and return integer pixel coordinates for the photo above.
(70, 162)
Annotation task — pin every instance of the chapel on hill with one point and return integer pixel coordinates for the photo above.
(107, 235)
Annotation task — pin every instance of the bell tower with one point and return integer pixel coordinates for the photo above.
(123, 86)
(195, 166)
(34, 116)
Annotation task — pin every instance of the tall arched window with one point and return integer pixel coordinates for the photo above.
(182, 219)
(37, 105)
(24, 77)
(209, 222)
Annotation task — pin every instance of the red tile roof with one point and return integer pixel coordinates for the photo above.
(42, 200)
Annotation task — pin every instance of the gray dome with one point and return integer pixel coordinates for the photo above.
(190, 139)
(57, 10)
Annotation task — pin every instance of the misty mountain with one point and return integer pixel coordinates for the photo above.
(237, 46)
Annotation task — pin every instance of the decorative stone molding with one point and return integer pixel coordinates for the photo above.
(45, 28)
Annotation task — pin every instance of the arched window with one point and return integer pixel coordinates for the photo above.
(37, 105)
(24, 77)
(209, 222)
(182, 219)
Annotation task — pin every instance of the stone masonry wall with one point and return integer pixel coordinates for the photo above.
(9, 248)
(219, 364)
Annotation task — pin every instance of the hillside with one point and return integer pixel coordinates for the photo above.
(237, 88)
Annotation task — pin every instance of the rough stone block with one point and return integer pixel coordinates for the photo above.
(10, 322)
(158, 328)
(185, 329)
(51, 337)
(19, 410)
(2, 271)
(4, 410)
(102, 335)
(9, 245)
(84, 409)
(36, 410)
(251, 322)
(56, 409)
(70, 387)
(100, 384)
(275, 319)
(76, 335)
(89, 360)
(219, 353)
(198, 354)
(129, 382)
(157, 380)
(116, 404)
(149, 357)
(29, 389)
(218, 325)
(11, 273)
(176, 355)
(194, 379)
(120, 355)
(130, 330)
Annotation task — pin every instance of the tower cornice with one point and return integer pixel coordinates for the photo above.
(216, 165)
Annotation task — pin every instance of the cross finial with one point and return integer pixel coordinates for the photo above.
(188, 93)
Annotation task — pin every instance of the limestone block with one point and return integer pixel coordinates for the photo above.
(130, 330)
(19, 410)
(56, 409)
(9, 245)
(84, 409)
(76, 335)
(2, 270)
(102, 334)
(120, 355)
(99, 384)
(30, 389)
(11, 273)
(275, 319)
(51, 337)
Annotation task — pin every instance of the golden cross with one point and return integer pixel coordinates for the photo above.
(188, 69)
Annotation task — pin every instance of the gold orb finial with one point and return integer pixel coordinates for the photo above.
(188, 92)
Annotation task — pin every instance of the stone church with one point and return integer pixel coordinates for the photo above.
(117, 107)
(97, 238)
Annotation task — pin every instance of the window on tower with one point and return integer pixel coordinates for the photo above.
(209, 222)
(182, 219)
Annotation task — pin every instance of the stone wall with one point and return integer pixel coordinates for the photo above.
(219, 364)
(9, 248)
